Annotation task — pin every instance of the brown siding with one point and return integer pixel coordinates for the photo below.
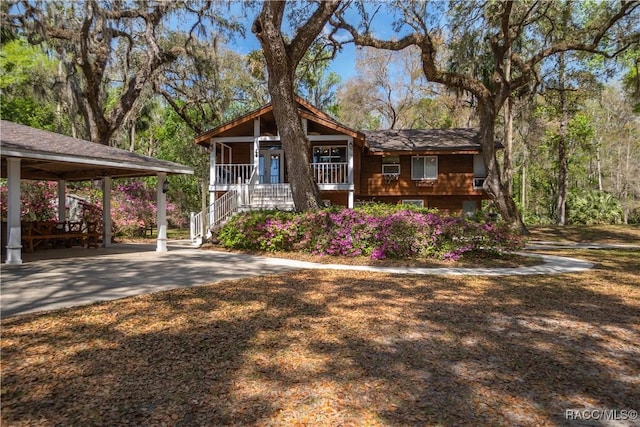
(357, 166)
(455, 177)
(447, 204)
(337, 198)
(240, 153)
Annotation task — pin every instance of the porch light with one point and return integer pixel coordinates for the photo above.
(165, 186)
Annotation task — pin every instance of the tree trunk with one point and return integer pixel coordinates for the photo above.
(296, 145)
(563, 161)
(282, 60)
(507, 171)
(599, 166)
(132, 137)
(493, 185)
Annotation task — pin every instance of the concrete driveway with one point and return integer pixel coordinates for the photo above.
(68, 277)
(59, 278)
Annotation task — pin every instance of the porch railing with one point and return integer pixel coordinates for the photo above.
(323, 173)
(223, 208)
(229, 173)
(219, 211)
(331, 173)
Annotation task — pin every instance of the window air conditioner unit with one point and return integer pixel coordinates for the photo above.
(478, 182)
(390, 169)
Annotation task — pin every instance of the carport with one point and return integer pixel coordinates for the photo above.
(29, 153)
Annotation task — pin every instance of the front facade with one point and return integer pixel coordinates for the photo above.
(439, 169)
(435, 168)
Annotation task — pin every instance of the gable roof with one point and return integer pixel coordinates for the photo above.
(305, 109)
(52, 156)
(457, 139)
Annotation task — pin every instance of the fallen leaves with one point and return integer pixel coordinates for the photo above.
(335, 348)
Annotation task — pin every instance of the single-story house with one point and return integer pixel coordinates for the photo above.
(435, 168)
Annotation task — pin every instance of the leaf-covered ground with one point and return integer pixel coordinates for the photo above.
(336, 348)
(624, 234)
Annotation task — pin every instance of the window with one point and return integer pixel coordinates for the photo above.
(469, 207)
(415, 202)
(424, 167)
(330, 154)
(479, 171)
(390, 169)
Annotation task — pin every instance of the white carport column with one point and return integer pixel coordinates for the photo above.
(62, 200)
(106, 211)
(14, 231)
(162, 214)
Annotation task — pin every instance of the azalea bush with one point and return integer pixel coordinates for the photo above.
(39, 200)
(375, 231)
(133, 205)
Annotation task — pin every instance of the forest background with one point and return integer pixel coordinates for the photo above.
(148, 77)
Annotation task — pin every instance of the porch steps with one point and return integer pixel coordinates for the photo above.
(270, 203)
(244, 198)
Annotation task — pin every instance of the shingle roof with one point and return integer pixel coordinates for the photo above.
(423, 139)
(48, 155)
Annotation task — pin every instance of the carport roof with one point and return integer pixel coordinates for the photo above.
(47, 155)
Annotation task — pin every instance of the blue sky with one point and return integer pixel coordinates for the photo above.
(344, 63)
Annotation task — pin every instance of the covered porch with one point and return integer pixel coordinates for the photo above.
(29, 153)
(261, 160)
(248, 163)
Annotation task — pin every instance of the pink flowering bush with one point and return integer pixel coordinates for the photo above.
(133, 205)
(376, 232)
(39, 200)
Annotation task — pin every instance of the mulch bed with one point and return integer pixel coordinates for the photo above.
(335, 348)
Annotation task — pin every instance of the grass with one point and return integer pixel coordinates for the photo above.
(336, 348)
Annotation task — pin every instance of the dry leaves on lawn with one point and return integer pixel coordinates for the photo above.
(335, 348)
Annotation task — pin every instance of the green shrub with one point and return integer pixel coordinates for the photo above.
(594, 208)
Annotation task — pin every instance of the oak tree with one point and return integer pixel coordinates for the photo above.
(499, 33)
(282, 55)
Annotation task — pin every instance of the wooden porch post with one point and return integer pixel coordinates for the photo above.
(256, 143)
(212, 165)
(14, 229)
(256, 154)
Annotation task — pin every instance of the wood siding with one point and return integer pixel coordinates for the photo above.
(336, 198)
(455, 178)
(240, 154)
(447, 204)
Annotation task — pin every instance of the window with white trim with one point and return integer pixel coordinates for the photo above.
(424, 167)
(330, 154)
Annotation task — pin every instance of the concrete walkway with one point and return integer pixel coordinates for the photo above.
(63, 278)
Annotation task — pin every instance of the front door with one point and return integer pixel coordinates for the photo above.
(270, 167)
